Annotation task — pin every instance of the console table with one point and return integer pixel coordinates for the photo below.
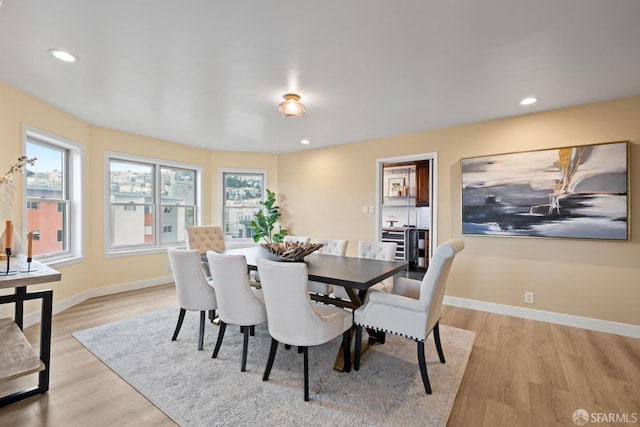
(17, 357)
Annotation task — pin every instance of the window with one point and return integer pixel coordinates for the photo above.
(150, 202)
(243, 191)
(53, 196)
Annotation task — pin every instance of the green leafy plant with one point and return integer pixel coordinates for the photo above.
(264, 225)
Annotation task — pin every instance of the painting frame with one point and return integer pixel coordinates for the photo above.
(396, 186)
(576, 192)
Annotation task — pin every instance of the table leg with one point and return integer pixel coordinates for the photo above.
(21, 292)
(45, 340)
(368, 340)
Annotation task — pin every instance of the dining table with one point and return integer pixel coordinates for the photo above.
(355, 274)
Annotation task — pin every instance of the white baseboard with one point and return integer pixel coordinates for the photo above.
(34, 318)
(509, 310)
(547, 316)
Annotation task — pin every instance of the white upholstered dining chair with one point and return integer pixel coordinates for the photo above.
(413, 310)
(195, 293)
(374, 250)
(238, 303)
(331, 247)
(294, 320)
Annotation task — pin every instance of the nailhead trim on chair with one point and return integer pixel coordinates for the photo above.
(391, 332)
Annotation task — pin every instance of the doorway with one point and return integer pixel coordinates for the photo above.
(406, 197)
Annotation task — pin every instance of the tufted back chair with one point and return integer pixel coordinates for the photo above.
(434, 281)
(385, 251)
(377, 250)
(413, 310)
(331, 247)
(205, 237)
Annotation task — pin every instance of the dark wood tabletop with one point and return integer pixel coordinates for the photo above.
(350, 272)
(356, 275)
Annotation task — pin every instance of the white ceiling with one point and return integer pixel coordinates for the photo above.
(211, 73)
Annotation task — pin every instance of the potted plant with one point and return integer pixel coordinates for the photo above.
(264, 225)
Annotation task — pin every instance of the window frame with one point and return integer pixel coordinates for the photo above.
(156, 205)
(74, 197)
(241, 242)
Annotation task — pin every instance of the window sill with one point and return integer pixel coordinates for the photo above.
(136, 252)
(61, 262)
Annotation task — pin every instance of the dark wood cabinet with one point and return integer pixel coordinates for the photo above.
(422, 184)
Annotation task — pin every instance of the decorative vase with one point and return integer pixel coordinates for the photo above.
(16, 242)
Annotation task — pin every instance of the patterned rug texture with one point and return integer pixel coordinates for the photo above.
(196, 390)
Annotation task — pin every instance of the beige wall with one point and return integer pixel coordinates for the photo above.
(16, 109)
(324, 191)
(97, 271)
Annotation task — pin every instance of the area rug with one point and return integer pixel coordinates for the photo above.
(196, 390)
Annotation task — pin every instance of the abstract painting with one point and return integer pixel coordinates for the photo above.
(570, 192)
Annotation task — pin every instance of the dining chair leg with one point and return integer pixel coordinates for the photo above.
(436, 337)
(212, 315)
(287, 346)
(179, 325)
(346, 350)
(223, 327)
(203, 315)
(423, 367)
(245, 345)
(272, 356)
(305, 352)
(252, 331)
(358, 347)
(300, 350)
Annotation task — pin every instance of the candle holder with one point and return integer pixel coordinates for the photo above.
(8, 271)
(29, 269)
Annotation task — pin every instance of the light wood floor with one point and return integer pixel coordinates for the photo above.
(521, 372)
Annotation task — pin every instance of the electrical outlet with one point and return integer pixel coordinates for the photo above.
(528, 297)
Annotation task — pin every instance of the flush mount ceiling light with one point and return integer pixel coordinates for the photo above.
(305, 142)
(63, 55)
(291, 107)
(528, 101)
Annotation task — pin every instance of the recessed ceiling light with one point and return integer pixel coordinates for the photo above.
(63, 55)
(305, 141)
(528, 101)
